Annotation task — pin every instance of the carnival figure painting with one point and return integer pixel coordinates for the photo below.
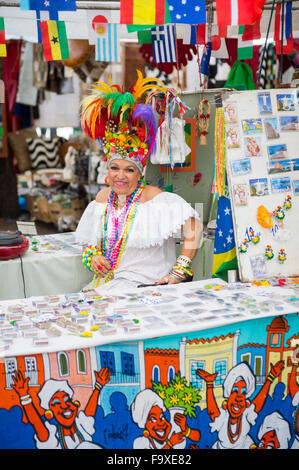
(147, 412)
(234, 420)
(128, 231)
(73, 428)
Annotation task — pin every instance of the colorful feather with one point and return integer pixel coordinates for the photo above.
(145, 114)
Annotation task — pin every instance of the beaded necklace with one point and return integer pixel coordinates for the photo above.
(112, 248)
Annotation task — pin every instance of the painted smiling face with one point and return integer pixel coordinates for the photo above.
(236, 402)
(157, 425)
(64, 410)
(269, 441)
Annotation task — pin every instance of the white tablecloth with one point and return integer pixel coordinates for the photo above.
(56, 268)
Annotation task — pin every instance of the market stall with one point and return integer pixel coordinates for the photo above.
(114, 362)
(183, 116)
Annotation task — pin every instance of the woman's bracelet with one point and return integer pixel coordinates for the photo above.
(25, 400)
(88, 252)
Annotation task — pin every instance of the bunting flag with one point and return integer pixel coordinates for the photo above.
(54, 40)
(288, 43)
(187, 11)
(252, 31)
(48, 5)
(191, 34)
(97, 22)
(164, 44)
(238, 12)
(140, 12)
(225, 256)
(107, 46)
(144, 37)
(205, 60)
(245, 48)
(3, 51)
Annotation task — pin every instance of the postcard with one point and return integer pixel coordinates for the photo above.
(264, 103)
(296, 187)
(285, 102)
(280, 166)
(232, 137)
(289, 123)
(259, 187)
(277, 152)
(295, 164)
(258, 265)
(230, 112)
(253, 146)
(271, 128)
(252, 126)
(240, 167)
(240, 194)
(281, 185)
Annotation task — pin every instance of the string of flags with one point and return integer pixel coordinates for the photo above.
(163, 25)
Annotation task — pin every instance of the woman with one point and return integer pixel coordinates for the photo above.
(129, 229)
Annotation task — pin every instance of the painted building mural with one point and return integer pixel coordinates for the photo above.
(232, 387)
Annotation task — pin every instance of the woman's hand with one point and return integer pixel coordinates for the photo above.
(100, 265)
(167, 280)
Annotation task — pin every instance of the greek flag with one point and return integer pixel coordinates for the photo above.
(164, 44)
(107, 46)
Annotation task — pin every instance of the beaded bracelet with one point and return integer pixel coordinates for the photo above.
(88, 252)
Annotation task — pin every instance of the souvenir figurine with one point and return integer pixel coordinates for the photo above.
(282, 256)
(288, 202)
(279, 213)
(269, 252)
(254, 238)
(244, 246)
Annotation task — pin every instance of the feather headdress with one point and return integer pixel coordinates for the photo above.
(126, 128)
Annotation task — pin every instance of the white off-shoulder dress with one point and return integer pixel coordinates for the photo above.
(150, 249)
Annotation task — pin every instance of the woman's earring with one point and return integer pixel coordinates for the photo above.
(141, 183)
(106, 181)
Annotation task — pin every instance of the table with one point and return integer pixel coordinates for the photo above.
(114, 362)
(56, 267)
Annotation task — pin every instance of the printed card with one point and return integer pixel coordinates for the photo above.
(240, 167)
(281, 185)
(259, 187)
(240, 194)
(285, 102)
(252, 126)
(264, 103)
(253, 146)
(271, 128)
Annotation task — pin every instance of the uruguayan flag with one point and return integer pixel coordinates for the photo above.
(107, 47)
(164, 44)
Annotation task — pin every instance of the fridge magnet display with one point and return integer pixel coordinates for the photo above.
(240, 167)
(232, 137)
(285, 102)
(264, 103)
(269, 252)
(279, 213)
(253, 147)
(240, 194)
(271, 128)
(244, 246)
(277, 152)
(252, 126)
(281, 166)
(288, 123)
(254, 237)
(259, 187)
(295, 164)
(258, 265)
(296, 187)
(281, 185)
(230, 113)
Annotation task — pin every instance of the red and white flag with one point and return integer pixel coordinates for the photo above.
(238, 12)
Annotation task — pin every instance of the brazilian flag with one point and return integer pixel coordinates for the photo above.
(225, 256)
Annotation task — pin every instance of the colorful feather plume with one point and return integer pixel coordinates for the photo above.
(145, 115)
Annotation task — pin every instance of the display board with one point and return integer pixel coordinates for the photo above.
(262, 161)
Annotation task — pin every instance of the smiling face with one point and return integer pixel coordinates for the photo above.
(269, 441)
(123, 177)
(236, 402)
(63, 409)
(156, 424)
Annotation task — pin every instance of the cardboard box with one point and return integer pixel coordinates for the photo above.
(43, 210)
(74, 208)
(38, 208)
